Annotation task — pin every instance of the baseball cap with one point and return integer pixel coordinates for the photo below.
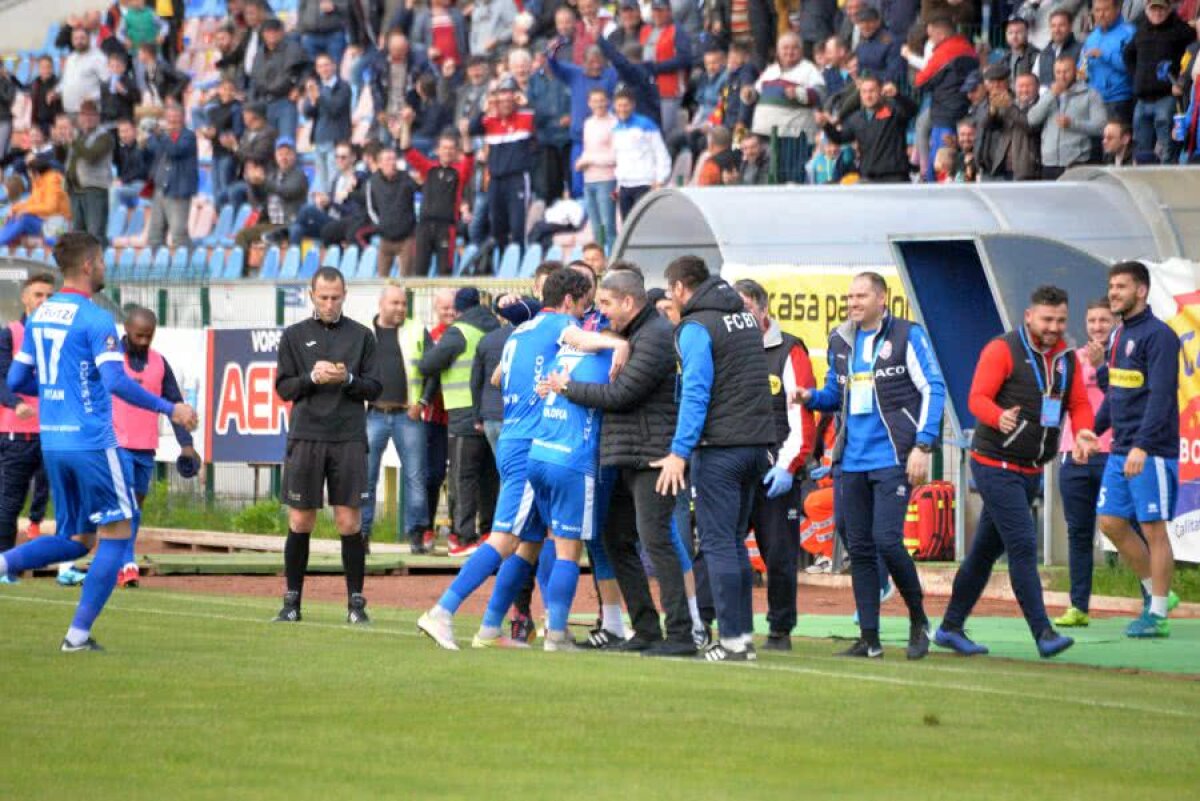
(971, 82)
(1162, 3)
(507, 84)
(660, 4)
(273, 24)
(466, 298)
(630, 5)
(285, 141)
(995, 72)
(867, 14)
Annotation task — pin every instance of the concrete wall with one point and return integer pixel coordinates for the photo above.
(23, 23)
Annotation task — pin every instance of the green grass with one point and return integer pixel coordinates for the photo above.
(199, 698)
(1119, 581)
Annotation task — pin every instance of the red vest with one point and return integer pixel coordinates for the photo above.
(670, 84)
(9, 422)
(137, 429)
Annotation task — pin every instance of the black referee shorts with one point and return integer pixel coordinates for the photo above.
(311, 466)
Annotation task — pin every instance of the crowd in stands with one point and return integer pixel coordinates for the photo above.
(442, 136)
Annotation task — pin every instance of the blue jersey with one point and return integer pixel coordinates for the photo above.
(527, 355)
(67, 338)
(568, 434)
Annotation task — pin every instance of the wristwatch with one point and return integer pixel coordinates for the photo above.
(923, 448)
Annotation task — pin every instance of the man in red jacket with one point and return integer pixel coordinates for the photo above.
(668, 50)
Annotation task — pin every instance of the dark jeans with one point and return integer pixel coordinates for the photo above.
(554, 172)
(475, 483)
(724, 480)
(1121, 110)
(627, 198)
(869, 509)
(89, 212)
(1079, 486)
(437, 441)
(309, 223)
(434, 239)
(331, 43)
(508, 198)
(1005, 526)
(284, 117)
(776, 524)
(637, 512)
(224, 170)
(20, 462)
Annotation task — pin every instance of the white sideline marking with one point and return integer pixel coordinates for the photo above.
(892, 680)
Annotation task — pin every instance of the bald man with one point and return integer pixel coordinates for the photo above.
(433, 411)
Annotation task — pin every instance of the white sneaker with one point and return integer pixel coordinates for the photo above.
(439, 628)
(823, 565)
(559, 642)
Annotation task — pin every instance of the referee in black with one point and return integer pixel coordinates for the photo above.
(327, 370)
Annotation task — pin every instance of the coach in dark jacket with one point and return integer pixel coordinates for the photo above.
(488, 400)
(880, 128)
(638, 426)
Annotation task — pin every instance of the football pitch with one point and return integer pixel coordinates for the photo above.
(198, 697)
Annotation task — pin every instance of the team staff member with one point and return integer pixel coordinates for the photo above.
(725, 427)
(395, 415)
(437, 437)
(473, 477)
(1025, 383)
(327, 370)
(137, 429)
(887, 390)
(1079, 483)
(777, 503)
(1141, 479)
(20, 444)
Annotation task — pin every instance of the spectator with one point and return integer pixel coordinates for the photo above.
(1019, 56)
(275, 79)
(469, 98)
(636, 73)
(597, 162)
(727, 167)
(256, 13)
(175, 173)
(629, 25)
(755, 167)
(231, 55)
(563, 216)
(489, 399)
(847, 29)
(732, 112)
(394, 70)
(1153, 58)
(786, 95)
(441, 32)
(642, 161)
(366, 24)
(1040, 16)
(1103, 62)
(960, 14)
(119, 96)
(509, 134)
(46, 205)
(391, 207)
(491, 27)
(834, 72)
(132, 167)
(61, 137)
(953, 58)
(45, 96)
(8, 93)
(1008, 147)
(84, 72)
(141, 26)
(878, 50)
(899, 16)
(277, 191)
(590, 28)
(344, 200)
(966, 168)
(1191, 121)
(158, 81)
(443, 182)
(222, 118)
(831, 163)
(172, 16)
(667, 48)
(1117, 144)
(327, 103)
(256, 144)
(426, 116)
(879, 128)
(706, 90)
(322, 28)
(565, 18)
(720, 140)
(1070, 114)
(552, 102)
(817, 18)
(1062, 42)
(89, 173)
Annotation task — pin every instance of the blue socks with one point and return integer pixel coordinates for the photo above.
(134, 525)
(561, 593)
(544, 566)
(97, 587)
(39, 553)
(479, 567)
(509, 581)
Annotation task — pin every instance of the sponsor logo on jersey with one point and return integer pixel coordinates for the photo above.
(56, 312)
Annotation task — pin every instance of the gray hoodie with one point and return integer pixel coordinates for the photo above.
(1062, 147)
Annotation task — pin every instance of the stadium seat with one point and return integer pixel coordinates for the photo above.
(270, 265)
(529, 264)
(216, 263)
(20, 253)
(116, 222)
(110, 261)
(223, 227)
(290, 267)
(366, 265)
(235, 264)
(160, 267)
(555, 253)
(333, 257)
(179, 264)
(464, 259)
(574, 254)
(510, 262)
(4, 252)
(136, 222)
(125, 264)
(38, 254)
(198, 266)
(141, 267)
(349, 266)
(310, 264)
(48, 47)
(239, 222)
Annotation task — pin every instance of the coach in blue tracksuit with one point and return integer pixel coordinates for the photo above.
(726, 424)
(887, 390)
(1141, 478)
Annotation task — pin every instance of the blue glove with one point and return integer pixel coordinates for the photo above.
(778, 481)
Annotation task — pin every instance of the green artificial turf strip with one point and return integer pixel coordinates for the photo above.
(199, 698)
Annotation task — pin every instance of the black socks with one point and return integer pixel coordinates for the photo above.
(354, 562)
(295, 560)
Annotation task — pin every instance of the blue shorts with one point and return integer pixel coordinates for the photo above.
(565, 497)
(516, 512)
(1147, 497)
(143, 471)
(90, 489)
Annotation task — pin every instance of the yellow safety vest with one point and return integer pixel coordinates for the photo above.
(411, 336)
(456, 379)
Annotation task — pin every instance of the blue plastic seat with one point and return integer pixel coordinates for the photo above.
(349, 266)
(160, 267)
(179, 264)
(555, 253)
(38, 254)
(366, 264)
(463, 260)
(198, 266)
(135, 222)
(510, 262)
(529, 264)
(216, 263)
(223, 226)
(310, 264)
(116, 222)
(125, 262)
(291, 264)
(20, 253)
(333, 257)
(234, 264)
(110, 260)
(239, 222)
(270, 265)
(141, 267)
